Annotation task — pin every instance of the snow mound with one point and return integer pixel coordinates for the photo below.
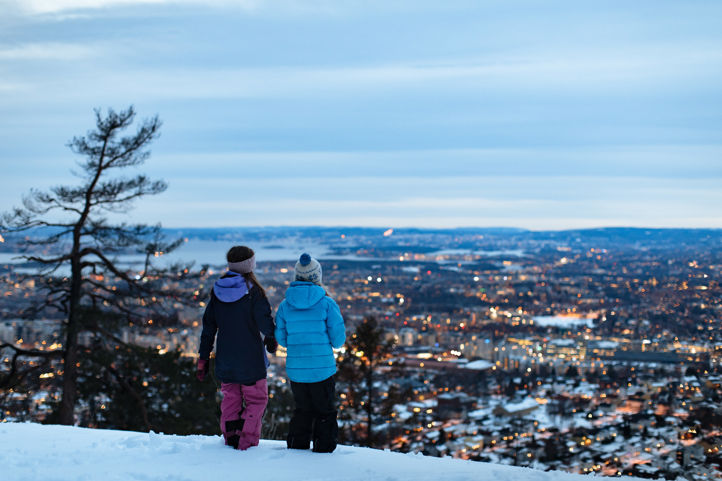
(563, 322)
(480, 365)
(62, 453)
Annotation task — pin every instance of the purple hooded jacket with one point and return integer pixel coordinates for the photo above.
(235, 318)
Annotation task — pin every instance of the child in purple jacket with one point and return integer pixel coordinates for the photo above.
(239, 312)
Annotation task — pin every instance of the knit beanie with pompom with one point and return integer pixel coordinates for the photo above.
(308, 269)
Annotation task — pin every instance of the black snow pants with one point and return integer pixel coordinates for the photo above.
(314, 417)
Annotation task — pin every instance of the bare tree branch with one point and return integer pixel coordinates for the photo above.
(30, 352)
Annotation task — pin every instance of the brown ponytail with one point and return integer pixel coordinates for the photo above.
(251, 278)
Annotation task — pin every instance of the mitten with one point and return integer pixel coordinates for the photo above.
(202, 369)
(271, 344)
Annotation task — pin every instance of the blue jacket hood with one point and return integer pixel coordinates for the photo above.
(303, 295)
(231, 287)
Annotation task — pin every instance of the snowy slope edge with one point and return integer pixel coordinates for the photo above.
(62, 453)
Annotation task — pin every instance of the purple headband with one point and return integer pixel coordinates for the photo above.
(243, 267)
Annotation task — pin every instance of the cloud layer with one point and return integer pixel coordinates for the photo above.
(397, 113)
(57, 6)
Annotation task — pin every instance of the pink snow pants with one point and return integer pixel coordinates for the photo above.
(241, 413)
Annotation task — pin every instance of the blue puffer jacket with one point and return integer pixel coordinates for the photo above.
(309, 324)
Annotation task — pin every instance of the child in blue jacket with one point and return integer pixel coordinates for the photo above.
(309, 325)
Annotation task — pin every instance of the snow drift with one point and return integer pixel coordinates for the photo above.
(31, 452)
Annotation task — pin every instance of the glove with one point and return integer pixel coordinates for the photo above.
(202, 369)
(271, 344)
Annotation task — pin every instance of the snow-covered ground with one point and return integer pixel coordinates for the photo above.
(30, 452)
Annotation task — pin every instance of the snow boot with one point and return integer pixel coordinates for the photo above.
(299, 430)
(325, 434)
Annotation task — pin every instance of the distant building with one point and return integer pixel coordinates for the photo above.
(602, 349)
(646, 357)
(7, 332)
(454, 405)
(407, 336)
(519, 409)
(478, 347)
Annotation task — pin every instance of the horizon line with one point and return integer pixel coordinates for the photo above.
(499, 227)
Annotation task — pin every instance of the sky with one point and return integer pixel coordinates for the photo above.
(535, 114)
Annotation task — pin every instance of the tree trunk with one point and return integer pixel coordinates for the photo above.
(70, 359)
(70, 374)
(369, 401)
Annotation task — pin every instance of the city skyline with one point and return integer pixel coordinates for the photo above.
(387, 114)
(581, 351)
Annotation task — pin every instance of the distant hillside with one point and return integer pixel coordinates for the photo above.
(413, 239)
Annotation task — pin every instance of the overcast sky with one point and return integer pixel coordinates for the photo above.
(537, 114)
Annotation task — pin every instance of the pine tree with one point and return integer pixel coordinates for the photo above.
(70, 231)
(366, 349)
(139, 389)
